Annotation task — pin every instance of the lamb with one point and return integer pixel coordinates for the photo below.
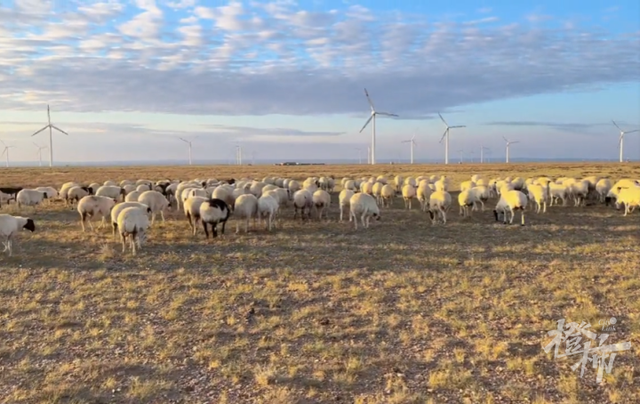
(538, 194)
(344, 200)
(213, 212)
(302, 199)
(321, 200)
(439, 203)
(90, 206)
(510, 201)
(246, 208)
(408, 193)
(132, 196)
(363, 205)
(268, 208)
(115, 211)
(133, 223)
(192, 211)
(156, 202)
(112, 191)
(30, 197)
(10, 226)
(423, 194)
(387, 193)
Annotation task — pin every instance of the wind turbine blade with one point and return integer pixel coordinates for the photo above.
(40, 130)
(614, 122)
(59, 130)
(366, 123)
(459, 126)
(443, 135)
(445, 122)
(385, 114)
(505, 139)
(405, 141)
(414, 142)
(631, 131)
(37, 145)
(369, 99)
(186, 141)
(517, 141)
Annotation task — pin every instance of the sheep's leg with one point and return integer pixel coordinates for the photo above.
(237, 226)
(513, 214)
(214, 229)
(82, 219)
(10, 245)
(522, 217)
(246, 226)
(444, 215)
(133, 244)
(162, 215)
(189, 219)
(90, 224)
(123, 239)
(461, 210)
(482, 203)
(206, 231)
(223, 226)
(341, 211)
(355, 219)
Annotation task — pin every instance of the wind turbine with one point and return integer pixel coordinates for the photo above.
(5, 152)
(482, 149)
(508, 144)
(50, 126)
(621, 139)
(359, 155)
(40, 148)
(189, 143)
(446, 135)
(461, 151)
(373, 127)
(412, 142)
(239, 155)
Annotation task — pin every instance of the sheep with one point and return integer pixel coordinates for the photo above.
(294, 186)
(408, 193)
(213, 212)
(466, 185)
(441, 185)
(321, 200)
(398, 182)
(50, 191)
(268, 208)
(510, 201)
(115, 211)
(439, 203)
(363, 205)
(133, 223)
(132, 196)
(538, 194)
(192, 211)
(246, 208)
(30, 197)
(91, 205)
(579, 190)
(387, 193)
(377, 190)
(10, 226)
(64, 189)
(630, 197)
(481, 194)
(76, 193)
(423, 193)
(110, 183)
(112, 191)
(557, 191)
(302, 199)
(466, 198)
(156, 202)
(350, 185)
(343, 201)
(143, 187)
(603, 186)
(225, 194)
(410, 181)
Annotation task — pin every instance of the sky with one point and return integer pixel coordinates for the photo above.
(285, 79)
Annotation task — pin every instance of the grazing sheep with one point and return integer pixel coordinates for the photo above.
(30, 197)
(579, 190)
(630, 198)
(466, 199)
(156, 202)
(481, 194)
(129, 188)
(302, 199)
(363, 205)
(64, 190)
(143, 187)
(408, 193)
(115, 211)
(10, 226)
(111, 191)
(246, 208)
(76, 193)
(439, 203)
(603, 186)
(133, 223)
(377, 191)
(398, 183)
(466, 185)
(510, 201)
(294, 186)
(538, 194)
(557, 191)
(343, 201)
(268, 208)
(423, 193)
(132, 196)
(213, 212)
(387, 193)
(227, 195)
(91, 205)
(321, 200)
(51, 192)
(410, 181)
(192, 211)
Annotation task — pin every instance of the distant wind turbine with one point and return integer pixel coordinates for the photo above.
(239, 155)
(5, 152)
(621, 139)
(482, 149)
(509, 143)
(373, 127)
(359, 155)
(461, 151)
(189, 143)
(50, 126)
(40, 148)
(446, 135)
(412, 142)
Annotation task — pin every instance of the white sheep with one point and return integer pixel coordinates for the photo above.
(132, 196)
(268, 208)
(423, 193)
(246, 207)
(630, 198)
(481, 194)
(111, 191)
(156, 202)
(398, 182)
(51, 192)
(76, 193)
(408, 194)
(603, 186)
(30, 197)
(344, 200)
(322, 201)
(466, 199)
(439, 203)
(538, 194)
(91, 206)
(302, 199)
(376, 191)
(364, 206)
(387, 193)
(214, 212)
(557, 191)
(133, 223)
(115, 211)
(579, 191)
(509, 202)
(192, 211)
(350, 185)
(10, 226)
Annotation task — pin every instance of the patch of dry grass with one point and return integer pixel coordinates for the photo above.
(402, 312)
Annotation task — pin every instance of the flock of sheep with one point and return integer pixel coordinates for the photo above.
(132, 206)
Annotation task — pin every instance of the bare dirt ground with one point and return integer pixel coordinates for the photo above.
(317, 312)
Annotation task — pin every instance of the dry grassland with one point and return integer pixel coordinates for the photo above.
(402, 312)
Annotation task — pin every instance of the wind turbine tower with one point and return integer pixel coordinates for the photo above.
(482, 149)
(509, 143)
(40, 148)
(189, 143)
(446, 136)
(372, 117)
(621, 139)
(50, 126)
(5, 152)
(412, 142)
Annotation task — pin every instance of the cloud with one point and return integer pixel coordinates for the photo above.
(561, 126)
(260, 58)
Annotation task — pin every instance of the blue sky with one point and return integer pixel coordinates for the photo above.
(285, 79)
